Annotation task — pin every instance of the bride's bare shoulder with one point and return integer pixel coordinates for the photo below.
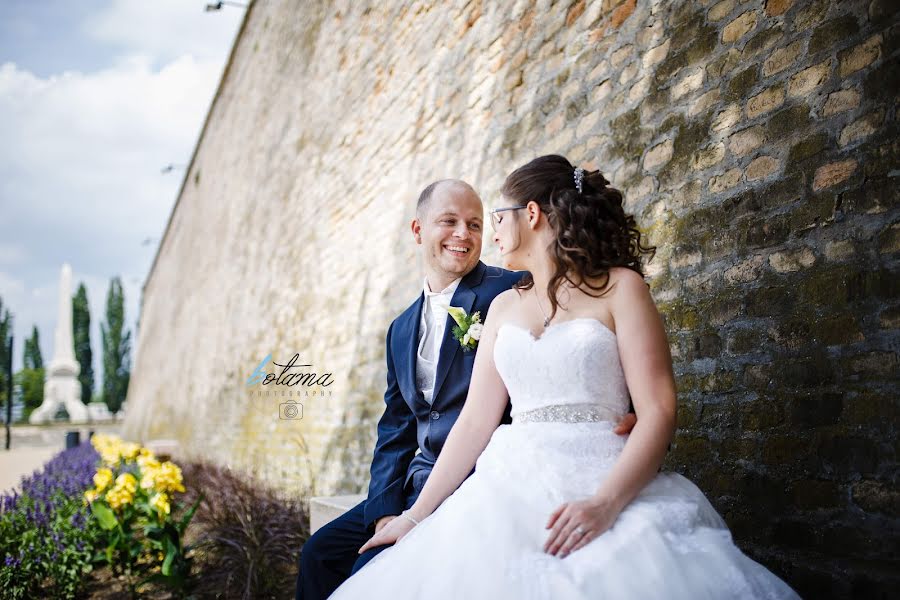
(503, 303)
(615, 278)
(505, 299)
(625, 277)
(621, 288)
(630, 290)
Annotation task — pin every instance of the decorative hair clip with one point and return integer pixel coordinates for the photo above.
(579, 178)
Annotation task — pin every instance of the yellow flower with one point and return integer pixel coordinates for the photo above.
(129, 450)
(102, 478)
(109, 448)
(98, 440)
(145, 454)
(149, 466)
(118, 497)
(90, 496)
(167, 477)
(148, 480)
(110, 455)
(127, 481)
(113, 448)
(161, 503)
(122, 492)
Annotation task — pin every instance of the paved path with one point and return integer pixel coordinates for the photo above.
(34, 445)
(16, 462)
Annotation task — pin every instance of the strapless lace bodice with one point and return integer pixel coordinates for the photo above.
(572, 369)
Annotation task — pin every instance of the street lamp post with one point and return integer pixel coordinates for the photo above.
(219, 5)
(9, 392)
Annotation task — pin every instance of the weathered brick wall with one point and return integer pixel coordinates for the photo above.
(755, 141)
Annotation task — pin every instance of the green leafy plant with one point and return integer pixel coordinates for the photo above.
(141, 535)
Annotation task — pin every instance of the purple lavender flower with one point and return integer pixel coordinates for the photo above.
(49, 509)
(67, 474)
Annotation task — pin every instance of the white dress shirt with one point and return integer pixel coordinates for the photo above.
(431, 332)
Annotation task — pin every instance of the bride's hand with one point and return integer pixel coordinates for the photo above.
(389, 534)
(593, 515)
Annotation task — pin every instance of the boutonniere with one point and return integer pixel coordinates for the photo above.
(468, 327)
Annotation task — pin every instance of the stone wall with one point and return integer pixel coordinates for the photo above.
(756, 143)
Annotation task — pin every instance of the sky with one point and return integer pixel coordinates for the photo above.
(96, 97)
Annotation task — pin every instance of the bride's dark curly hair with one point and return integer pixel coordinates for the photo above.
(593, 233)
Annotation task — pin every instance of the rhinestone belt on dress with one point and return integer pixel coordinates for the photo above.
(568, 413)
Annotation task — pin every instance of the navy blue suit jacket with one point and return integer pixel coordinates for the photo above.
(409, 423)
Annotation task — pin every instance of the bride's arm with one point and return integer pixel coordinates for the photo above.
(647, 364)
(481, 414)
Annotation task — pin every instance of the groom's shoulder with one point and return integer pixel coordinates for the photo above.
(499, 280)
(407, 313)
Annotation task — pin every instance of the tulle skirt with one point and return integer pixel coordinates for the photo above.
(486, 539)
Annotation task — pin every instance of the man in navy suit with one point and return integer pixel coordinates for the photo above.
(428, 377)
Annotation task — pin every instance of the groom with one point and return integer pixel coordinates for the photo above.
(428, 377)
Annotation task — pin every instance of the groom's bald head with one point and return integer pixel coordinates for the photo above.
(440, 188)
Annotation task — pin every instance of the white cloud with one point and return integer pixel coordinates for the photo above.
(10, 287)
(166, 29)
(80, 162)
(12, 254)
(83, 153)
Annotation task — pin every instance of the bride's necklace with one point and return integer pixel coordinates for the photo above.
(546, 318)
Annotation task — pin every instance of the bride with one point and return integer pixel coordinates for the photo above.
(559, 506)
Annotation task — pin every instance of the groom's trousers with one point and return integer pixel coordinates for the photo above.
(330, 555)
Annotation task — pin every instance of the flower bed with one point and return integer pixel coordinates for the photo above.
(46, 539)
(103, 503)
(107, 519)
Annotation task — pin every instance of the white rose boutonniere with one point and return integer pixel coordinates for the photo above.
(468, 327)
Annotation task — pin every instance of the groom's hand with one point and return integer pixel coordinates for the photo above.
(383, 521)
(626, 424)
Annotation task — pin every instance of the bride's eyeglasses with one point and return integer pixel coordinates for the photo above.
(497, 218)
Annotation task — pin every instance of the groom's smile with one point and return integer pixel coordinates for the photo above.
(460, 251)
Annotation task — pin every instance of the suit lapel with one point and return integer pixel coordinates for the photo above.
(409, 334)
(464, 297)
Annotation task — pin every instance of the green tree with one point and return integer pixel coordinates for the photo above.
(116, 348)
(81, 336)
(31, 377)
(6, 326)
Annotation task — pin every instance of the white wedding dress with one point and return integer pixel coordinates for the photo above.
(567, 390)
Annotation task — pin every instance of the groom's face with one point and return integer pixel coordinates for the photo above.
(450, 231)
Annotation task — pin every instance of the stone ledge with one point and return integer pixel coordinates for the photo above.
(164, 449)
(323, 509)
(53, 435)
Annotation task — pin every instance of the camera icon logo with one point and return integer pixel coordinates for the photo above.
(290, 410)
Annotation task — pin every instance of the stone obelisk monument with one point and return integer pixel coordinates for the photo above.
(61, 386)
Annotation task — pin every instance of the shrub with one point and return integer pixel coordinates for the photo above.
(247, 537)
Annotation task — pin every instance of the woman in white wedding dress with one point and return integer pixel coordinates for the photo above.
(559, 505)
